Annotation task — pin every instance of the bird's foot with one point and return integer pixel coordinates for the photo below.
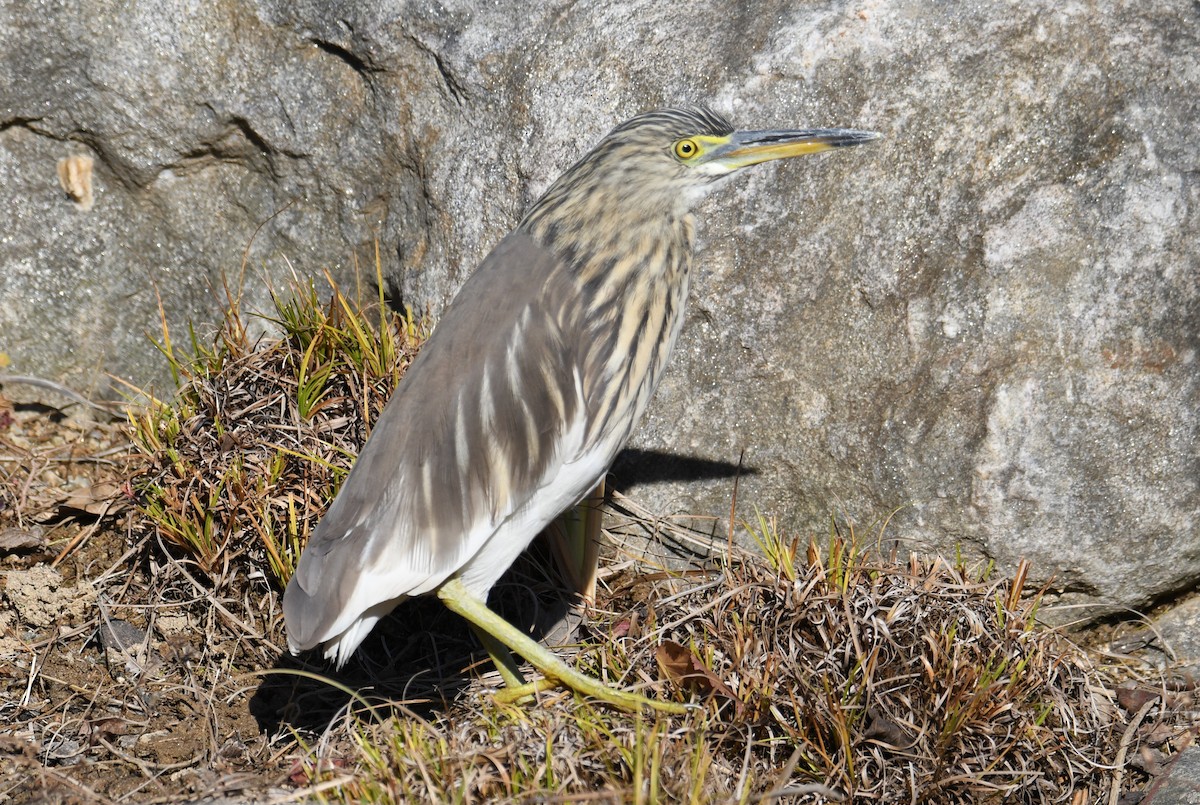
(459, 600)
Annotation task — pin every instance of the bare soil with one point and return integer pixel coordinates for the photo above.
(99, 698)
(127, 675)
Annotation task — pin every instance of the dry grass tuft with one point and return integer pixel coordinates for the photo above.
(892, 682)
(837, 677)
(256, 440)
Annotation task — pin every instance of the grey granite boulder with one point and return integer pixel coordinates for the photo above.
(989, 321)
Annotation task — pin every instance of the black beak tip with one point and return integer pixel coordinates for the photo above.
(853, 137)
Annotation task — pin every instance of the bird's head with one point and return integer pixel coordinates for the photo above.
(662, 163)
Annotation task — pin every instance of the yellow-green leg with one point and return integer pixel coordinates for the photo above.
(502, 658)
(499, 631)
(517, 690)
(576, 540)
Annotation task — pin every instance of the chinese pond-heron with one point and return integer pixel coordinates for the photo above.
(530, 384)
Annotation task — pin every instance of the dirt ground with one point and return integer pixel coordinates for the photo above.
(100, 698)
(127, 675)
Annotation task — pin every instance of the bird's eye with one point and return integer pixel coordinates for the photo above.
(686, 149)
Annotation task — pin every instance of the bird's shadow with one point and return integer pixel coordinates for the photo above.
(416, 660)
(636, 467)
(421, 656)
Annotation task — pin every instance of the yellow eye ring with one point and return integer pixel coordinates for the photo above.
(686, 149)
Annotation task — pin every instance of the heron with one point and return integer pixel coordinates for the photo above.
(529, 385)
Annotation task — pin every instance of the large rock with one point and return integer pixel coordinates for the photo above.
(990, 319)
(226, 143)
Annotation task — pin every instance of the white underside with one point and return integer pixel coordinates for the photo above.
(562, 489)
(489, 548)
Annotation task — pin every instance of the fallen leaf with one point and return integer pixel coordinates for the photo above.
(99, 500)
(686, 670)
(19, 540)
(1132, 699)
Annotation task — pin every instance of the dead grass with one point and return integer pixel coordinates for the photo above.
(843, 677)
(254, 443)
(820, 671)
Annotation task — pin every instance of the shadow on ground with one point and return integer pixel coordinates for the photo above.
(420, 657)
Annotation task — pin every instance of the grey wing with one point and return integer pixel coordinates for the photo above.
(490, 409)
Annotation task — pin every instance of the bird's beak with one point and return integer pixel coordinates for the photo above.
(746, 148)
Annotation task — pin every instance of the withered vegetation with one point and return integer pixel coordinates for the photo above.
(254, 443)
(819, 670)
(837, 677)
